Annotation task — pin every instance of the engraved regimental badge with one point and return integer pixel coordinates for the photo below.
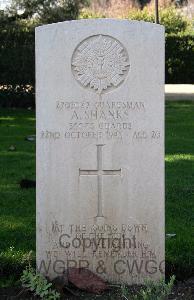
(100, 63)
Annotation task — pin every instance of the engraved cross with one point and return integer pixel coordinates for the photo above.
(100, 172)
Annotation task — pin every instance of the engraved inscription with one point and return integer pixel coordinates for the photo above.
(100, 120)
(127, 246)
(99, 173)
(100, 63)
(77, 133)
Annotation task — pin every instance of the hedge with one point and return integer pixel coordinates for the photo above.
(179, 53)
(17, 64)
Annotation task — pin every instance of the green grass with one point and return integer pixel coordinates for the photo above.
(17, 206)
(180, 187)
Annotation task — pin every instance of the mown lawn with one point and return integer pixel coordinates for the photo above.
(180, 188)
(17, 206)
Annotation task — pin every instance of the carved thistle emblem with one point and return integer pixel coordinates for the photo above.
(100, 63)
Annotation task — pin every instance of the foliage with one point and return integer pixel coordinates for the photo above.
(66, 10)
(17, 55)
(158, 290)
(89, 14)
(141, 15)
(17, 95)
(47, 11)
(38, 284)
(17, 64)
(170, 17)
(174, 21)
(179, 58)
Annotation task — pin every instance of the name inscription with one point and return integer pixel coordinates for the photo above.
(101, 120)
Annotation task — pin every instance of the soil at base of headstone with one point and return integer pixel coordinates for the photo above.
(181, 291)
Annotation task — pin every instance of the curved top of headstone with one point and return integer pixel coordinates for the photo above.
(100, 61)
(103, 21)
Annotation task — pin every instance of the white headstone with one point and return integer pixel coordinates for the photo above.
(100, 148)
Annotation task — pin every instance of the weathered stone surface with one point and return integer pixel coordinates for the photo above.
(86, 280)
(100, 148)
